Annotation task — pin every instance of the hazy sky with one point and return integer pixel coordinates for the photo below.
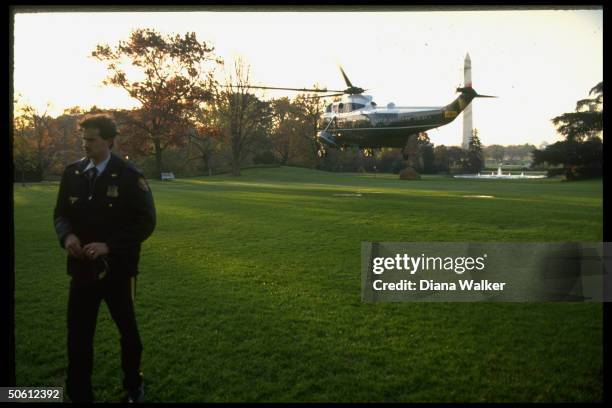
(539, 62)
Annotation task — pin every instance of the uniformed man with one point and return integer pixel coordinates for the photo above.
(104, 212)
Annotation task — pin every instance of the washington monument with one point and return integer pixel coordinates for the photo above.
(467, 113)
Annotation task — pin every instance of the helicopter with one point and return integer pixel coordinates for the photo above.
(356, 120)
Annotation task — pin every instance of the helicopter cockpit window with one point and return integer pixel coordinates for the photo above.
(329, 108)
(340, 107)
(358, 106)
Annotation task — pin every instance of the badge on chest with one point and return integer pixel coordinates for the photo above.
(112, 191)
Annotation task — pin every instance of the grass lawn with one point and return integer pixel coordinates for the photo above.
(250, 291)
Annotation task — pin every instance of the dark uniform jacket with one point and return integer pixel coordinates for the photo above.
(119, 211)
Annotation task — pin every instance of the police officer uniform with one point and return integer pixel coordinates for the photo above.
(113, 207)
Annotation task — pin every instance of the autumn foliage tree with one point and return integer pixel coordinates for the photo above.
(33, 145)
(175, 75)
(205, 136)
(24, 158)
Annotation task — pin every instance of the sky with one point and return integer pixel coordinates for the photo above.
(538, 62)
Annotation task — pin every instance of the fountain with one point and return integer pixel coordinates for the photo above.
(499, 175)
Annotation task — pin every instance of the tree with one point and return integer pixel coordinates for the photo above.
(244, 118)
(517, 154)
(586, 121)
(23, 151)
(495, 152)
(178, 76)
(285, 128)
(391, 160)
(310, 107)
(348, 160)
(456, 158)
(412, 153)
(580, 158)
(66, 136)
(24, 158)
(205, 135)
(475, 158)
(34, 152)
(441, 160)
(426, 149)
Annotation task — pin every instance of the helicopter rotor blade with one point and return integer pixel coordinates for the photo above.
(348, 82)
(351, 90)
(287, 89)
(322, 96)
(336, 94)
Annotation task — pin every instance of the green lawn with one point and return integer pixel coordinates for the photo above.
(250, 291)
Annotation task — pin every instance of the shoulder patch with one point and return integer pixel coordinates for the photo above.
(142, 183)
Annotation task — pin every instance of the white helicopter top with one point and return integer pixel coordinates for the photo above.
(357, 104)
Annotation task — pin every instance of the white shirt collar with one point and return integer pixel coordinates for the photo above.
(101, 166)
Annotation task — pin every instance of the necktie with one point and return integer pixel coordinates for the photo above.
(91, 176)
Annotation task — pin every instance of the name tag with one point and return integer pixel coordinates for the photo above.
(112, 191)
(73, 199)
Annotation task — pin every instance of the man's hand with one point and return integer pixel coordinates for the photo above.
(95, 249)
(72, 244)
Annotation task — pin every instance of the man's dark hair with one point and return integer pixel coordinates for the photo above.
(107, 126)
